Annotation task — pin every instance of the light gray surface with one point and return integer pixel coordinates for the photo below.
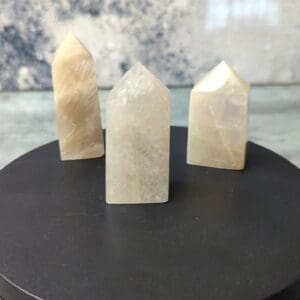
(179, 40)
(28, 119)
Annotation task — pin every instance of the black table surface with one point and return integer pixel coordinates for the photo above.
(222, 235)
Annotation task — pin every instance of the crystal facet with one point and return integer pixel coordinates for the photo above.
(218, 120)
(76, 101)
(137, 139)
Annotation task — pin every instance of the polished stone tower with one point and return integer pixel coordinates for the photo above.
(137, 139)
(218, 120)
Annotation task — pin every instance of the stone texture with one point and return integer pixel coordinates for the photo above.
(137, 139)
(154, 32)
(218, 120)
(76, 102)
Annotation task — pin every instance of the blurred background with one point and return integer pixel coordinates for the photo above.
(178, 40)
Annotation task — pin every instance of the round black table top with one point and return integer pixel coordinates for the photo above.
(223, 234)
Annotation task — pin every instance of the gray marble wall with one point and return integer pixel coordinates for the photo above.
(179, 40)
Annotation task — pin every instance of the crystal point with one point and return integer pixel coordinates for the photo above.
(218, 120)
(137, 139)
(76, 101)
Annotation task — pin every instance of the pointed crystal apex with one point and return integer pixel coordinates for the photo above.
(139, 68)
(70, 46)
(138, 80)
(218, 77)
(71, 36)
(139, 65)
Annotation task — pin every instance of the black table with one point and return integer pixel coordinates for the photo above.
(223, 234)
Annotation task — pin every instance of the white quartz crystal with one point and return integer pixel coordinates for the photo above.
(218, 120)
(137, 139)
(76, 101)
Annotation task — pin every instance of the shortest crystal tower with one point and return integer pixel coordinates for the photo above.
(137, 139)
(218, 120)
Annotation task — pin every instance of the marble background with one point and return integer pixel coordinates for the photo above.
(179, 40)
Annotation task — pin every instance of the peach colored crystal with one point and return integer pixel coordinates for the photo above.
(76, 101)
